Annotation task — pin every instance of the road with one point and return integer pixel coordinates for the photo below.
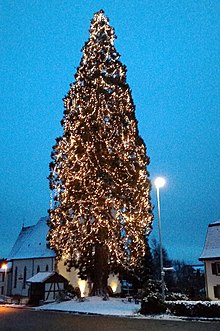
(13, 319)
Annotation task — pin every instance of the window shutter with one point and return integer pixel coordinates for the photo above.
(215, 292)
(15, 277)
(214, 269)
(24, 277)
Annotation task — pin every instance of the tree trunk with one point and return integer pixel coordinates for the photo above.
(101, 269)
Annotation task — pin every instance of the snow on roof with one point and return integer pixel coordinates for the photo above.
(211, 248)
(214, 223)
(32, 243)
(40, 277)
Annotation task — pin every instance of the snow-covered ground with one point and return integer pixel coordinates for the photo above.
(114, 306)
(96, 305)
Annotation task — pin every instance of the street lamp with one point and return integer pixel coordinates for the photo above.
(5, 267)
(160, 182)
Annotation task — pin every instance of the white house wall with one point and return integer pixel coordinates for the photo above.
(211, 280)
(2, 282)
(33, 266)
(52, 290)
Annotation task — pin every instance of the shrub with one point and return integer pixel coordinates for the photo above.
(178, 309)
(152, 302)
(152, 306)
(173, 296)
(197, 309)
(211, 310)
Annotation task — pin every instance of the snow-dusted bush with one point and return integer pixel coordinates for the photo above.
(194, 309)
(176, 296)
(178, 305)
(152, 302)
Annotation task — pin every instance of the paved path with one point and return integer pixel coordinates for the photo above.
(12, 319)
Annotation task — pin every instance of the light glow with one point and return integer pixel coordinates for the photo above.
(159, 182)
(114, 286)
(82, 286)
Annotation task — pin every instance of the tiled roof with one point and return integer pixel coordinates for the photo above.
(211, 248)
(31, 242)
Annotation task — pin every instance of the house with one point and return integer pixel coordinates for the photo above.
(211, 258)
(2, 279)
(30, 256)
(5, 277)
(46, 287)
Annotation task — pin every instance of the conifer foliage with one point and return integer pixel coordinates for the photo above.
(101, 208)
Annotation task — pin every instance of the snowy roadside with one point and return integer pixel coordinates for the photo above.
(112, 307)
(95, 305)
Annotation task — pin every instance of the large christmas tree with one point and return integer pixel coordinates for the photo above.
(101, 191)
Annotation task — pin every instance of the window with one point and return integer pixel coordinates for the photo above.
(38, 268)
(217, 291)
(3, 277)
(47, 267)
(24, 277)
(15, 277)
(216, 268)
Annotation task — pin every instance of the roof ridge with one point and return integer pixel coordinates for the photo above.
(214, 223)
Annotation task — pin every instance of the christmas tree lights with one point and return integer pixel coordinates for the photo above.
(101, 209)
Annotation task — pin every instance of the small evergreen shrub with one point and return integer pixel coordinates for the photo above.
(152, 302)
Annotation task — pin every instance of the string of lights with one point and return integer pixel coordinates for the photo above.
(98, 173)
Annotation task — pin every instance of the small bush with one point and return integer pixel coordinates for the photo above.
(152, 306)
(152, 302)
(62, 296)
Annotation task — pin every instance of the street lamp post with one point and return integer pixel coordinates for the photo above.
(160, 182)
(5, 267)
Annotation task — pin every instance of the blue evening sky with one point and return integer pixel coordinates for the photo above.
(171, 50)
